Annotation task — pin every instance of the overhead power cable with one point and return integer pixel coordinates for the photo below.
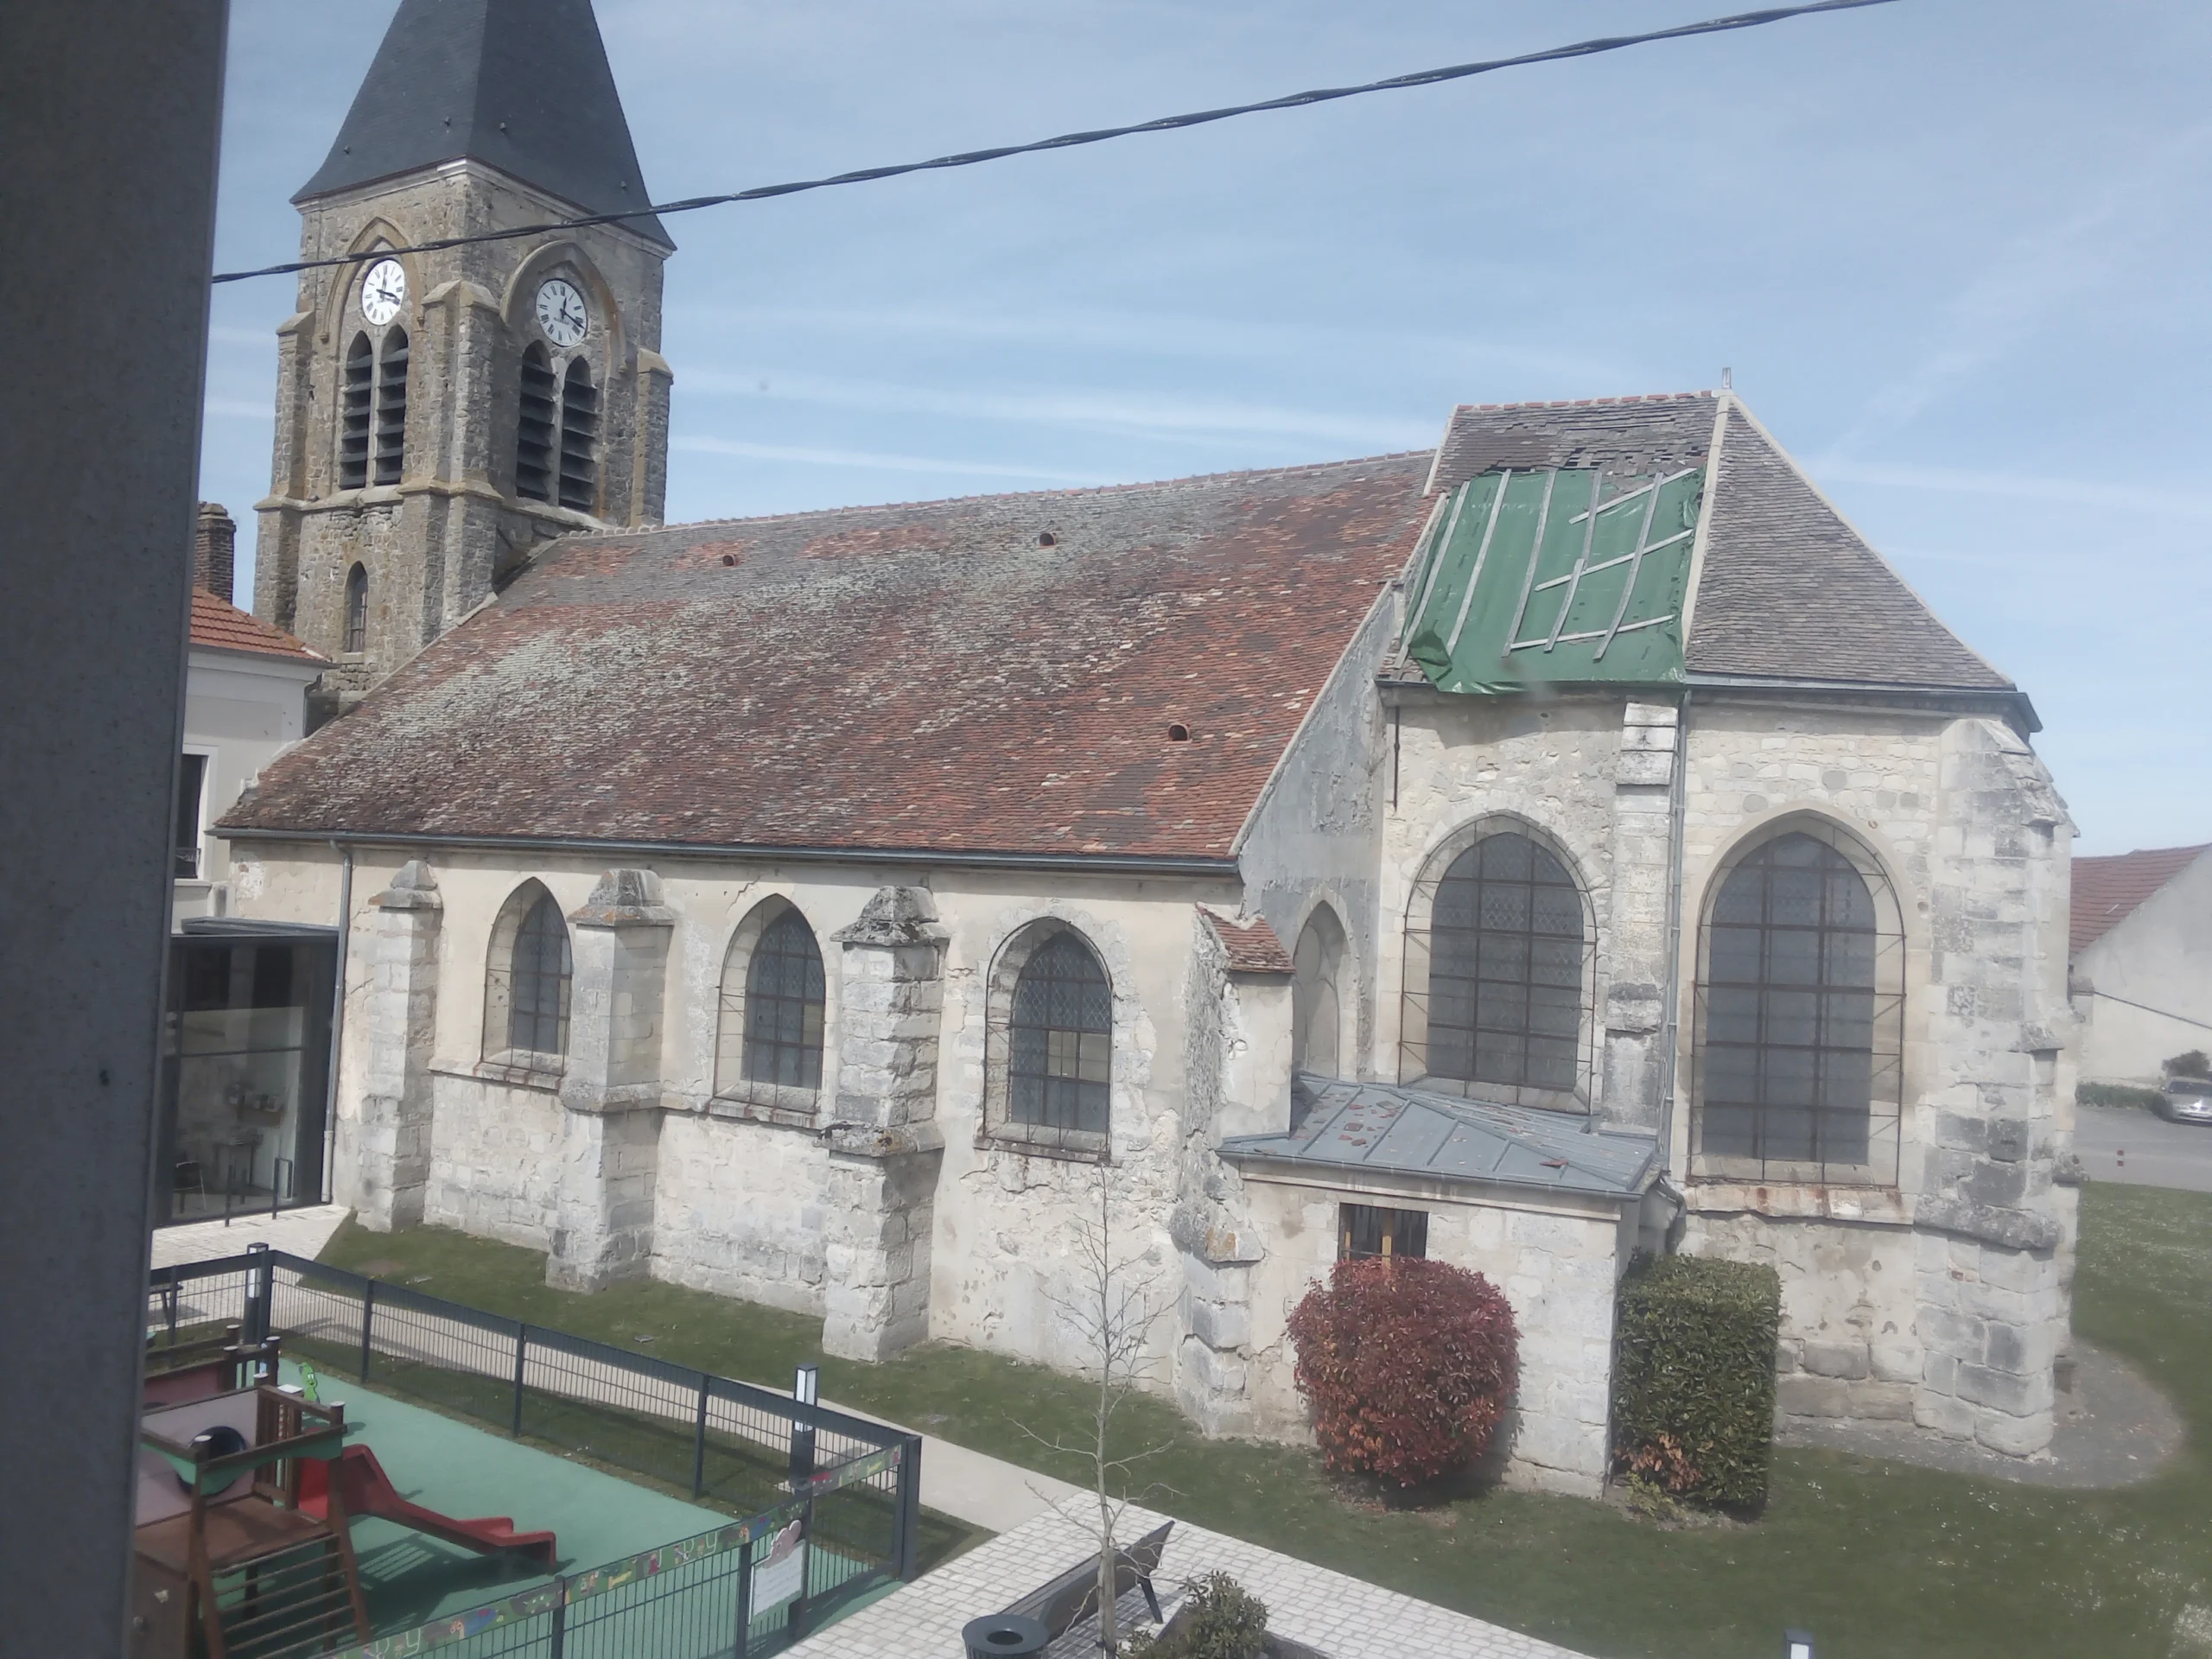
(1070, 140)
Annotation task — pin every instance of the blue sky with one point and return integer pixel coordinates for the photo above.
(1954, 251)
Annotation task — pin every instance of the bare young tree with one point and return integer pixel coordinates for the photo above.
(1111, 1309)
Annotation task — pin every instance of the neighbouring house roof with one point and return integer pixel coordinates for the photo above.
(1252, 947)
(2108, 890)
(523, 86)
(1521, 583)
(218, 625)
(1382, 1127)
(920, 678)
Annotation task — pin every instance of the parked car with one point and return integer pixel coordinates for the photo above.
(2186, 1100)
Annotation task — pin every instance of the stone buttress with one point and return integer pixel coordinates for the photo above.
(385, 1164)
(885, 1145)
(610, 1089)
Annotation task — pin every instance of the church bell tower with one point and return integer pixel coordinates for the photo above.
(440, 414)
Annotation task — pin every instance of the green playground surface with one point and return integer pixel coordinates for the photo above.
(447, 1465)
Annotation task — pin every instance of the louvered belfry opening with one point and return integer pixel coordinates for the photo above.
(353, 414)
(579, 437)
(534, 431)
(391, 408)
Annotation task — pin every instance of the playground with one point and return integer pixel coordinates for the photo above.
(290, 1509)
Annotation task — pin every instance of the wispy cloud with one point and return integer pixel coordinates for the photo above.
(1128, 414)
(2019, 487)
(2033, 277)
(237, 409)
(878, 460)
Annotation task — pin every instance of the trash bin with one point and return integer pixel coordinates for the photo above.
(1003, 1635)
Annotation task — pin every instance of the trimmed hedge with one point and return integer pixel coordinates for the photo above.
(1694, 1378)
(2117, 1094)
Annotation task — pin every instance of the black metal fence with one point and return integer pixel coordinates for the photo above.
(831, 1503)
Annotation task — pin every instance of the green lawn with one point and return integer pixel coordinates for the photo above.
(1873, 1558)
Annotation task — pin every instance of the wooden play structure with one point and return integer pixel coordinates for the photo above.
(230, 1564)
(247, 1493)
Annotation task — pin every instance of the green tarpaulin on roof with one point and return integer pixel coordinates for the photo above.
(1522, 584)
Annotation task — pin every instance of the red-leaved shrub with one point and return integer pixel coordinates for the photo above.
(1408, 1364)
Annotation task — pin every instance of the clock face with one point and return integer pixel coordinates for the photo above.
(561, 313)
(384, 290)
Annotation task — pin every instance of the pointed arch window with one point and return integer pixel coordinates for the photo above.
(1498, 975)
(357, 609)
(527, 982)
(1800, 1015)
(535, 427)
(1315, 1007)
(356, 399)
(1061, 1052)
(579, 438)
(391, 407)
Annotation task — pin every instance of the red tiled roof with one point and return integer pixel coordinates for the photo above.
(1253, 947)
(992, 675)
(220, 626)
(2106, 891)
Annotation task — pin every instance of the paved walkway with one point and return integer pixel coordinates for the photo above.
(2156, 1152)
(303, 1232)
(1343, 1617)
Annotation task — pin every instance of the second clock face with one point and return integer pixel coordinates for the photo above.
(561, 312)
(384, 290)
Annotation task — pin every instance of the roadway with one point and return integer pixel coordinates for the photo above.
(2157, 1153)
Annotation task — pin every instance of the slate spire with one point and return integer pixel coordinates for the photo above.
(522, 85)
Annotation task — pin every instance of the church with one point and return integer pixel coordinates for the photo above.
(1572, 841)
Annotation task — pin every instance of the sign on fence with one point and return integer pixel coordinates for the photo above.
(781, 1574)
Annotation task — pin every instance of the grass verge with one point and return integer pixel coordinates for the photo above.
(1874, 1558)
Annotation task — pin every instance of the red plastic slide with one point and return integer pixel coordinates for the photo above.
(367, 1490)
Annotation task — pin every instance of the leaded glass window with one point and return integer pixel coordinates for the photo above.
(1061, 1040)
(1506, 968)
(537, 981)
(1789, 1071)
(784, 1006)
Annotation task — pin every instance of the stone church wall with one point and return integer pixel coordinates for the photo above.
(495, 1153)
(1315, 837)
(1556, 1261)
(1962, 819)
(1467, 763)
(741, 1210)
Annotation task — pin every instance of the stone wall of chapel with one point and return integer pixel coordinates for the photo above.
(735, 1199)
(1963, 819)
(1850, 1343)
(1007, 1253)
(495, 1161)
(1553, 766)
(1557, 1267)
(1316, 836)
(740, 1210)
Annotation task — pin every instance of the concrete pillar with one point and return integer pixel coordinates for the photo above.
(100, 410)
(1635, 969)
(885, 1145)
(610, 1089)
(384, 1153)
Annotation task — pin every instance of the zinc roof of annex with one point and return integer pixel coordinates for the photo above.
(1104, 674)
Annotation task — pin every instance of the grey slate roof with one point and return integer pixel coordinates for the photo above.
(523, 86)
(1390, 1129)
(1788, 590)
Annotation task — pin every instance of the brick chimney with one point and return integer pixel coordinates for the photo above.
(214, 546)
